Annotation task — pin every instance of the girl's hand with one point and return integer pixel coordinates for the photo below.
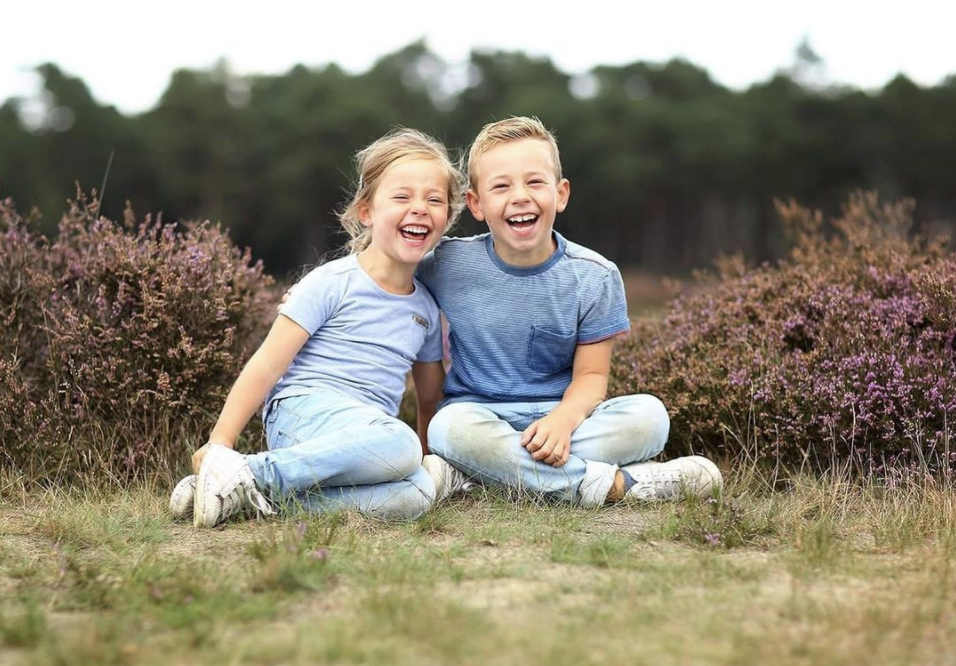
(198, 456)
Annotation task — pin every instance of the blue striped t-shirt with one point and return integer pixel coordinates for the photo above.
(513, 330)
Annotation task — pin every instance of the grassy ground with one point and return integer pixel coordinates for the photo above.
(820, 572)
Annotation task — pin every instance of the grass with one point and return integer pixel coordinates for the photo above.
(823, 572)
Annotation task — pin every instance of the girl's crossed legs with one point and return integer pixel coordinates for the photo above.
(328, 451)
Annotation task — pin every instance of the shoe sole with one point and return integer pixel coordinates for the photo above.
(209, 463)
(436, 471)
(183, 498)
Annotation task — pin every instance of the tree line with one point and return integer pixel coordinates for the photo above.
(668, 168)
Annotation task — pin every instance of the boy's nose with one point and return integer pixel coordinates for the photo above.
(519, 193)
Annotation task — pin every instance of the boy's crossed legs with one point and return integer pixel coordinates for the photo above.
(483, 440)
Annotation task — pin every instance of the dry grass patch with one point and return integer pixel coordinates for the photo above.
(822, 573)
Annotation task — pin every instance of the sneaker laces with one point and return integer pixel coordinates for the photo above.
(259, 502)
(659, 483)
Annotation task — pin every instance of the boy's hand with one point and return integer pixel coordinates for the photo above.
(549, 439)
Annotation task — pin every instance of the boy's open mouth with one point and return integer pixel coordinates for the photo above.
(522, 223)
(414, 234)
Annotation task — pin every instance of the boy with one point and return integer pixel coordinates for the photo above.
(532, 318)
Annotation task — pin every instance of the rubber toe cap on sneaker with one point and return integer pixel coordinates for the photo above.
(710, 480)
(182, 499)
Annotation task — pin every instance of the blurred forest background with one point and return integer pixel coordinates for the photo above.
(668, 168)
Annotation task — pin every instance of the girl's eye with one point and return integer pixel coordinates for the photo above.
(436, 200)
(400, 197)
(537, 181)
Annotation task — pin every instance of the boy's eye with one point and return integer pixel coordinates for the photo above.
(400, 197)
(436, 200)
(499, 186)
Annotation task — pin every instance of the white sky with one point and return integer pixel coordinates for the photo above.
(125, 51)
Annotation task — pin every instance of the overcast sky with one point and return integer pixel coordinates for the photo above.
(126, 50)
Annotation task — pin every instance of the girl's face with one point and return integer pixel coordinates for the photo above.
(409, 211)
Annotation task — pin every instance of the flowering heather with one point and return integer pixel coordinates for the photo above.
(841, 355)
(120, 340)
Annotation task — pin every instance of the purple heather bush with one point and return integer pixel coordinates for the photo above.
(838, 357)
(120, 340)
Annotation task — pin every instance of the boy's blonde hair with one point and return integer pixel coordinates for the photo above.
(374, 160)
(510, 129)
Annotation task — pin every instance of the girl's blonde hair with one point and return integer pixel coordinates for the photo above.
(374, 160)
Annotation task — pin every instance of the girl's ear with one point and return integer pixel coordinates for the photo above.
(365, 214)
(474, 205)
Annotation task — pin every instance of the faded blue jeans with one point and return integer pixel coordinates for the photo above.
(483, 440)
(329, 451)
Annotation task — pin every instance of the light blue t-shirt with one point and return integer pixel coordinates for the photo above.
(513, 330)
(363, 339)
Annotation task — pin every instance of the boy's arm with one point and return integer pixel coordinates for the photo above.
(259, 375)
(549, 438)
(428, 379)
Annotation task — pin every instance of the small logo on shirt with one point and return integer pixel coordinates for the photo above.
(420, 320)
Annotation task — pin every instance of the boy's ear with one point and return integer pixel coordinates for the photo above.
(564, 193)
(474, 205)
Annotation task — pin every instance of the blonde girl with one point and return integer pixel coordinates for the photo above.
(331, 372)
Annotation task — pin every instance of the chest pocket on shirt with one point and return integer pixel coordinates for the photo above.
(550, 352)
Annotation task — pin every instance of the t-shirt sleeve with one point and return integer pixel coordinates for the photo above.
(426, 270)
(313, 300)
(606, 316)
(432, 350)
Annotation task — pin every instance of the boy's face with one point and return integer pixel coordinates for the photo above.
(518, 195)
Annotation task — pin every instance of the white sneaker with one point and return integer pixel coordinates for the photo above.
(694, 475)
(182, 499)
(448, 480)
(226, 486)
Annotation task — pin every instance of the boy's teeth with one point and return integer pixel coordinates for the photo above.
(522, 218)
(415, 230)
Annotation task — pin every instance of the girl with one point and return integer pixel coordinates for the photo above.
(332, 369)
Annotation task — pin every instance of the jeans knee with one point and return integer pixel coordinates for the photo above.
(657, 413)
(656, 422)
(406, 449)
(642, 425)
(450, 427)
(414, 501)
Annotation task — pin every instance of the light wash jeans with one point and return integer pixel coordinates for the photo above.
(329, 451)
(483, 440)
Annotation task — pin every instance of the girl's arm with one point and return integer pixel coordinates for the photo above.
(260, 374)
(428, 379)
